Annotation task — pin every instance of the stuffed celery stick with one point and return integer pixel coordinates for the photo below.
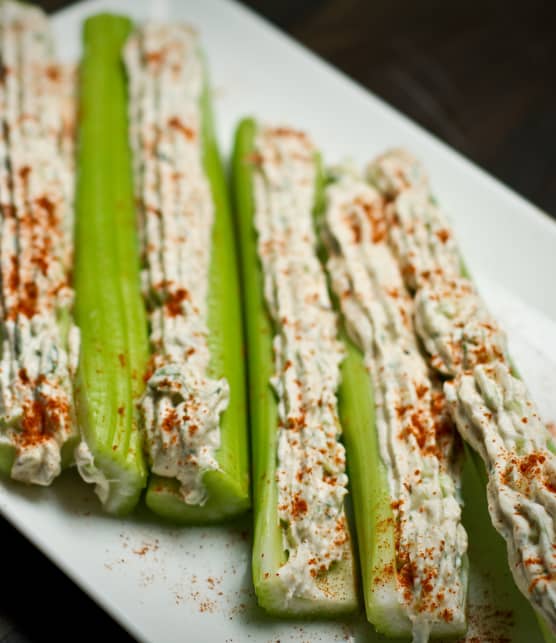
(489, 403)
(302, 554)
(109, 308)
(39, 342)
(405, 472)
(193, 409)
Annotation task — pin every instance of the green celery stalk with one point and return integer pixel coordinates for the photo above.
(497, 551)
(268, 551)
(489, 560)
(385, 607)
(374, 519)
(23, 13)
(228, 486)
(7, 456)
(109, 306)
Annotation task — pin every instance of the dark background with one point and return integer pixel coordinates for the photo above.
(480, 75)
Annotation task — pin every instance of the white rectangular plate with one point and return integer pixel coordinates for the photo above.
(163, 583)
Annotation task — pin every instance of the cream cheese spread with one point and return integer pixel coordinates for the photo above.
(450, 317)
(90, 472)
(418, 444)
(310, 463)
(490, 405)
(182, 405)
(36, 182)
(496, 415)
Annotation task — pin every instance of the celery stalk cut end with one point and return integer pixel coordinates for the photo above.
(226, 500)
(336, 587)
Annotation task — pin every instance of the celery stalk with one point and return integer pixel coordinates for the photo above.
(491, 554)
(489, 557)
(489, 570)
(38, 428)
(109, 307)
(268, 551)
(374, 519)
(228, 487)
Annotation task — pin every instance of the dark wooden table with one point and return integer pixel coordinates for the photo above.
(480, 75)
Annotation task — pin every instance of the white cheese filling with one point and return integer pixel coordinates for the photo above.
(89, 471)
(495, 414)
(182, 405)
(450, 316)
(417, 443)
(491, 407)
(310, 474)
(36, 182)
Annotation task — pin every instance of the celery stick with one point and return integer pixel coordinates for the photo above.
(374, 519)
(471, 350)
(492, 552)
(37, 415)
(263, 411)
(109, 308)
(491, 584)
(268, 550)
(227, 487)
(404, 562)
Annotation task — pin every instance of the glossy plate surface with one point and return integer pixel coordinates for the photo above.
(168, 585)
